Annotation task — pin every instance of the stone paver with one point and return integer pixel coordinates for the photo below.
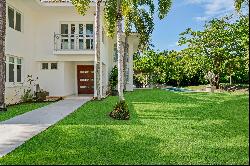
(14, 132)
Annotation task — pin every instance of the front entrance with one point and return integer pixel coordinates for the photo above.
(85, 79)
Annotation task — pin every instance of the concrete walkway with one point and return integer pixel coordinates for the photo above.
(14, 132)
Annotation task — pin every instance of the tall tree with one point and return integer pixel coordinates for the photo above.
(2, 54)
(223, 42)
(82, 6)
(239, 3)
(134, 13)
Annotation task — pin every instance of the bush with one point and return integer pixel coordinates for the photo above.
(27, 96)
(120, 111)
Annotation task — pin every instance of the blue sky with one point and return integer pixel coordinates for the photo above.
(185, 14)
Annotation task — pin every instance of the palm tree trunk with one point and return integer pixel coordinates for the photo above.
(119, 50)
(97, 50)
(2, 54)
(125, 63)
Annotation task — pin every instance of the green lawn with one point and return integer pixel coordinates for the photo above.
(19, 109)
(165, 128)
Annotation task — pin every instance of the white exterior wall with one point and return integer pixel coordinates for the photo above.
(69, 78)
(35, 44)
(20, 44)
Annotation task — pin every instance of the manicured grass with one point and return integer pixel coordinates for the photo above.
(200, 87)
(19, 109)
(165, 128)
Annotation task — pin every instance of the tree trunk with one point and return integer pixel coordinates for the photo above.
(97, 50)
(2, 54)
(125, 62)
(217, 79)
(230, 78)
(178, 84)
(119, 50)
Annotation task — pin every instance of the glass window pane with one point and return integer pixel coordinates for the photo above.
(11, 60)
(80, 28)
(89, 29)
(88, 44)
(11, 17)
(65, 44)
(45, 66)
(18, 22)
(11, 72)
(73, 28)
(19, 73)
(19, 61)
(81, 44)
(64, 29)
(53, 65)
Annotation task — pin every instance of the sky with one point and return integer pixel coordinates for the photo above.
(186, 14)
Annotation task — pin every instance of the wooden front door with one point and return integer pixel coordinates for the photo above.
(85, 79)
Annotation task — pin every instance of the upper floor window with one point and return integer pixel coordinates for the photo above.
(14, 19)
(75, 36)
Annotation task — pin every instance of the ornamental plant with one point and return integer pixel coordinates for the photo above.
(120, 111)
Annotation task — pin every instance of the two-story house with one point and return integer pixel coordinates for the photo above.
(54, 44)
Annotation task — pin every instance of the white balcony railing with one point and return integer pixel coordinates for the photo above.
(73, 42)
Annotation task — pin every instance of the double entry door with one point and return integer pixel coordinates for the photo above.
(77, 36)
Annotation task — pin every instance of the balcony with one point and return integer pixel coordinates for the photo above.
(73, 44)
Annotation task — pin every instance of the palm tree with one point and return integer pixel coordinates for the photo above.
(2, 54)
(97, 50)
(82, 6)
(133, 13)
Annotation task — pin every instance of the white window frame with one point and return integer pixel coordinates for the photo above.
(15, 11)
(42, 66)
(49, 66)
(56, 66)
(7, 62)
(77, 30)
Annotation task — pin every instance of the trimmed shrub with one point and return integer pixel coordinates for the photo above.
(120, 111)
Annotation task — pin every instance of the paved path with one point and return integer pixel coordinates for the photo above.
(14, 132)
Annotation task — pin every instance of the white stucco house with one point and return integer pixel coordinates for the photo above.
(54, 44)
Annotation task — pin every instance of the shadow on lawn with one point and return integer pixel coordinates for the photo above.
(171, 128)
(76, 144)
(88, 145)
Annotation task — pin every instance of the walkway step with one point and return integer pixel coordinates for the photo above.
(14, 132)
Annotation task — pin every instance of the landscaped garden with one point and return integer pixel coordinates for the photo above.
(19, 109)
(164, 128)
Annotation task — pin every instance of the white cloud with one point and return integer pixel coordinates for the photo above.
(213, 8)
(201, 18)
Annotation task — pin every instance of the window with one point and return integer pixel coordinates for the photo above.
(11, 17)
(15, 19)
(19, 70)
(45, 66)
(89, 36)
(11, 69)
(53, 66)
(18, 22)
(64, 29)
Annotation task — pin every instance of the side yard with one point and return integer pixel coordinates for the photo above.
(165, 128)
